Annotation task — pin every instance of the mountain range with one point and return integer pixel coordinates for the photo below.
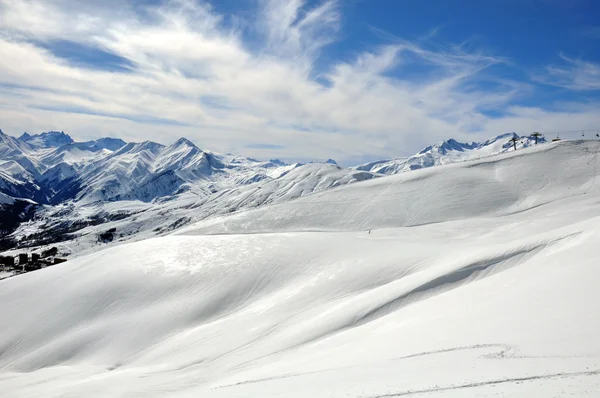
(61, 187)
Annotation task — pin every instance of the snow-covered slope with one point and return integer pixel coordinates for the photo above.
(19, 170)
(40, 166)
(135, 220)
(6, 200)
(492, 186)
(489, 289)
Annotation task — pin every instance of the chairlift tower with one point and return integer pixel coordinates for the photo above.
(514, 142)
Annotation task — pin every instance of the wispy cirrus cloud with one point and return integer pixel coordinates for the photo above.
(179, 68)
(573, 74)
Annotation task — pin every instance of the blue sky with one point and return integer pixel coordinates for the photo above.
(354, 80)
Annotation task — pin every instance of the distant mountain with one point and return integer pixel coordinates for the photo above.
(111, 144)
(47, 140)
(450, 151)
(51, 168)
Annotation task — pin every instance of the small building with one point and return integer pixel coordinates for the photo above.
(59, 260)
(35, 257)
(23, 258)
(8, 260)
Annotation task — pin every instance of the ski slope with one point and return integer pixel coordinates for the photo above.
(477, 279)
(494, 186)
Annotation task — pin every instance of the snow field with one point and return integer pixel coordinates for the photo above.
(478, 279)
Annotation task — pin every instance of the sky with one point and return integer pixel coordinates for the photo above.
(352, 80)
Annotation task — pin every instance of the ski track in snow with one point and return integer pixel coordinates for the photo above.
(506, 352)
(488, 383)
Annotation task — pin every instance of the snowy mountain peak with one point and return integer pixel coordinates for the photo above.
(278, 162)
(444, 147)
(137, 147)
(112, 144)
(183, 142)
(331, 161)
(50, 139)
(500, 138)
(7, 140)
(453, 145)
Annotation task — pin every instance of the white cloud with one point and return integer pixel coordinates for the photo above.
(196, 76)
(573, 74)
(297, 33)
